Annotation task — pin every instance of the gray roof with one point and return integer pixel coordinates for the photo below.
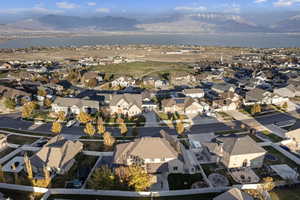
(193, 91)
(131, 99)
(222, 86)
(239, 144)
(68, 102)
(56, 153)
(145, 148)
(256, 94)
(234, 194)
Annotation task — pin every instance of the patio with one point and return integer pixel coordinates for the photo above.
(17, 162)
(244, 175)
(218, 180)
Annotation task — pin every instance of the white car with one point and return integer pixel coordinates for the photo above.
(39, 122)
(70, 123)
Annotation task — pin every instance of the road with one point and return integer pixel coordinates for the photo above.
(12, 121)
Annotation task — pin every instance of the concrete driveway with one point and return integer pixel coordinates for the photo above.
(151, 120)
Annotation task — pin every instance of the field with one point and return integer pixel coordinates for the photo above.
(140, 69)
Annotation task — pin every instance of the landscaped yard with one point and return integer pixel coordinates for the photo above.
(286, 193)
(25, 132)
(16, 139)
(183, 181)
(79, 170)
(6, 151)
(271, 136)
(20, 195)
(281, 159)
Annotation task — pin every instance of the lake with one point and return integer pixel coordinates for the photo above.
(257, 40)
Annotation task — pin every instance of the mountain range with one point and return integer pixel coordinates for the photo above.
(176, 23)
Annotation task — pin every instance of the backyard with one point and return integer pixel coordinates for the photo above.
(16, 139)
(183, 181)
(292, 193)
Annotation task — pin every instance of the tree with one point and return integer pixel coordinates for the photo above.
(180, 127)
(139, 180)
(100, 126)
(2, 175)
(47, 102)
(102, 179)
(61, 116)
(89, 129)
(268, 183)
(42, 92)
(10, 103)
(91, 83)
(56, 127)
(28, 167)
(285, 106)
(84, 117)
(258, 108)
(135, 131)
(27, 110)
(108, 139)
(123, 129)
(255, 109)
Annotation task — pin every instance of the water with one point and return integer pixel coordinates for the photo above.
(257, 40)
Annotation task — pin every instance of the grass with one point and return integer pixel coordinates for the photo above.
(16, 139)
(271, 136)
(20, 195)
(141, 68)
(285, 194)
(183, 181)
(229, 131)
(281, 159)
(6, 151)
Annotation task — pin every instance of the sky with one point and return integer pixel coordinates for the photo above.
(12, 8)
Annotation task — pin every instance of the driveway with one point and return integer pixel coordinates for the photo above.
(161, 184)
(151, 120)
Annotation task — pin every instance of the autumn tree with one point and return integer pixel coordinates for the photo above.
(180, 127)
(28, 167)
(100, 126)
(56, 127)
(28, 108)
(89, 129)
(42, 92)
(9, 103)
(102, 179)
(122, 126)
(84, 117)
(61, 116)
(2, 175)
(91, 83)
(108, 139)
(268, 183)
(285, 106)
(47, 102)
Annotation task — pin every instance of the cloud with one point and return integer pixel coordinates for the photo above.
(91, 3)
(37, 9)
(190, 8)
(285, 3)
(260, 1)
(66, 5)
(103, 10)
(231, 8)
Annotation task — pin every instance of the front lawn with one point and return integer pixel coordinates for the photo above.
(285, 194)
(271, 136)
(183, 181)
(16, 139)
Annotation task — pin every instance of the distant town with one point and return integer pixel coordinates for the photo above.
(149, 121)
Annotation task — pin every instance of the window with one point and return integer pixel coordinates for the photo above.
(175, 168)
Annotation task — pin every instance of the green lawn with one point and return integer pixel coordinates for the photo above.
(6, 151)
(282, 159)
(183, 181)
(25, 132)
(16, 139)
(141, 68)
(20, 195)
(229, 131)
(285, 194)
(271, 136)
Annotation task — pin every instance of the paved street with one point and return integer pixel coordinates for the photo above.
(10, 121)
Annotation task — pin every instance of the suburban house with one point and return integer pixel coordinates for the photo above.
(182, 105)
(155, 81)
(226, 101)
(260, 96)
(289, 91)
(294, 142)
(17, 95)
(182, 79)
(86, 77)
(236, 151)
(223, 87)
(194, 93)
(127, 104)
(74, 105)
(155, 154)
(123, 81)
(57, 155)
(233, 194)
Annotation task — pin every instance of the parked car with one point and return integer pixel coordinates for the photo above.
(71, 123)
